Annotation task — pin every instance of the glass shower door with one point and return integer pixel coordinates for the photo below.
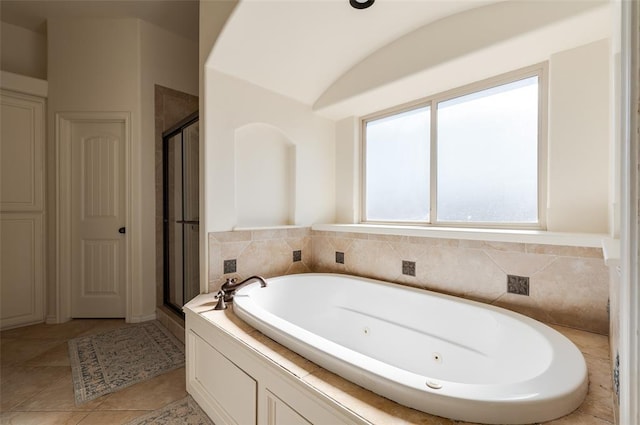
(181, 213)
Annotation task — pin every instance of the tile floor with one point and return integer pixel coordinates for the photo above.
(36, 386)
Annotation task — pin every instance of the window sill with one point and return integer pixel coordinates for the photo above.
(590, 240)
(275, 227)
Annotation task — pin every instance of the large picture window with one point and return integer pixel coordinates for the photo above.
(466, 157)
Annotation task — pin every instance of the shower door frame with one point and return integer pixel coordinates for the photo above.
(166, 137)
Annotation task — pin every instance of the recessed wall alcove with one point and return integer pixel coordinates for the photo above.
(264, 176)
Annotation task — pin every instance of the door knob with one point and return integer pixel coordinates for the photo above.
(122, 230)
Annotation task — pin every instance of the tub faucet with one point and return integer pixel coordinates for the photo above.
(229, 288)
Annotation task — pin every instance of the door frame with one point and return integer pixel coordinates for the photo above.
(629, 290)
(63, 125)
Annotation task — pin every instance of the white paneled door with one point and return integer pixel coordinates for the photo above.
(98, 217)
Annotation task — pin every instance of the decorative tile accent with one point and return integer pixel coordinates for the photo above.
(297, 256)
(517, 285)
(230, 266)
(409, 268)
(339, 257)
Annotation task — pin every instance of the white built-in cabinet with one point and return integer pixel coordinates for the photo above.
(234, 384)
(22, 208)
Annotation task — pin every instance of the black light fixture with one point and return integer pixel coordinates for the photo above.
(361, 4)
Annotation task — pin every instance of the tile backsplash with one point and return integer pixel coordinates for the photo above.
(567, 285)
(267, 253)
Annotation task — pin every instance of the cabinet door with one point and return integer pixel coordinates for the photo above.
(279, 413)
(21, 152)
(22, 253)
(229, 389)
(22, 209)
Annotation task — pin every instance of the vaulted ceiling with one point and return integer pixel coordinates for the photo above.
(341, 61)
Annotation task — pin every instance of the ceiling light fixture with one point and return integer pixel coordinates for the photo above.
(361, 4)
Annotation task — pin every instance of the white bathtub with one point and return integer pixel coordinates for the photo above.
(439, 354)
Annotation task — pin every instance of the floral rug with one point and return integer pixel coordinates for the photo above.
(112, 360)
(185, 411)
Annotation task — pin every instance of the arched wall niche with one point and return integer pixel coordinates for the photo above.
(265, 160)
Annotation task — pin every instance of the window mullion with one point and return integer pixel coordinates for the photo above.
(433, 168)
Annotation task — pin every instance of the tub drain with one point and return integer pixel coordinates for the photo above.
(434, 384)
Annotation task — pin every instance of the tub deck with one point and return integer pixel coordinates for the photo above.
(597, 408)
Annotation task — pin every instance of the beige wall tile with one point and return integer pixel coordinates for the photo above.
(527, 305)
(568, 284)
(497, 246)
(234, 236)
(375, 259)
(519, 263)
(565, 251)
(575, 292)
(258, 235)
(267, 258)
(299, 232)
(465, 272)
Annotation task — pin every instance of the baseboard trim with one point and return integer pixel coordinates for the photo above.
(140, 319)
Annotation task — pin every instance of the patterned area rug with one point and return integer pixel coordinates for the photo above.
(112, 360)
(185, 411)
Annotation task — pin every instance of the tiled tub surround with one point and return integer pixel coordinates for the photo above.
(268, 253)
(373, 409)
(568, 285)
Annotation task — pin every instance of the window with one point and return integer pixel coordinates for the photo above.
(397, 166)
(467, 158)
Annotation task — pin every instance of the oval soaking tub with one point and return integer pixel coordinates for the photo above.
(440, 354)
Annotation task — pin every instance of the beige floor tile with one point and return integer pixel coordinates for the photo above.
(112, 417)
(15, 351)
(148, 395)
(103, 325)
(22, 383)
(41, 418)
(59, 396)
(65, 330)
(58, 355)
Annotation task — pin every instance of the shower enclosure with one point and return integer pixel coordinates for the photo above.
(180, 159)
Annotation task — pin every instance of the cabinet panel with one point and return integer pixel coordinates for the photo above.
(21, 250)
(279, 413)
(234, 391)
(21, 152)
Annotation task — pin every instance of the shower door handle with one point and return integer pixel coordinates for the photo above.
(188, 221)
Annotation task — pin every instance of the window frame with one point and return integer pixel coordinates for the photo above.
(541, 71)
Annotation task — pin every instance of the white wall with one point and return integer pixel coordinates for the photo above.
(347, 174)
(171, 61)
(94, 65)
(578, 146)
(23, 51)
(213, 16)
(232, 104)
(578, 166)
(264, 177)
(113, 65)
